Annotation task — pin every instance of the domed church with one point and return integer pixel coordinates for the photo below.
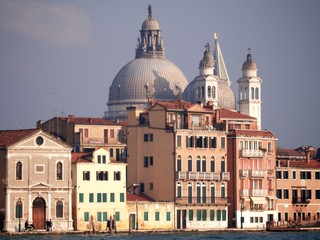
(149, 75)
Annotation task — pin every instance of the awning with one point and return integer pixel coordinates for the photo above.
(245, 199)
(272, 197)
(258, 200)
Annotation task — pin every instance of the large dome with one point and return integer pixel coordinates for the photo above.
(147, 77)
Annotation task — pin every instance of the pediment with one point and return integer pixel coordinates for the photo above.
(40, 186)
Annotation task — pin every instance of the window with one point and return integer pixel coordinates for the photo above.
(99, 217)
(117, 216)
(196, 120)
(142, 187)
(111, 197)
(19, 171)
(252, 93)
(102, 176)
(212, 165)
(224, 215)
(81, 197)
(223, 164)
(317, 194)
(104, 216)
(145, 162)
(117, 176)
(317, 175)
(279, 174)
(211, 215)
(209, 92)
(190, 215)
(111, 133)
(99, 158)
(302, 175)
(198, 215)
(285, 194)
(121, 197)
(111, 152)
(189, 163)
(168, 216)
(86, 176)
(86, 216)
(294, 175)
(91, 197)
(269, 147)
(204, 215)
(223, 142)
(145, 137)
(151, 186)
(104, 197)
(285, 175)
(151, 161)
(179, 167)
(98, 197)
(257, 93)
(198, 164)
(151, 137)
(59, 209)
(213, 142)
(146, 216)
(204, 164)
(59, 171)
(179, 190)
(279, 193)
(157, 216)
(308, 175)
(218, 215)
(19, 209)
(179, 141)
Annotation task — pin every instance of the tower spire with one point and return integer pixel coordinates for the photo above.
(220, 69)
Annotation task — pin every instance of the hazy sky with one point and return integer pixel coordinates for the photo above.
(60, 57)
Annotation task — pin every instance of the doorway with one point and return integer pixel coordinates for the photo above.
(39, 213)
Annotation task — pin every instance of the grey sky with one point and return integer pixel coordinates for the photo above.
(60, 57)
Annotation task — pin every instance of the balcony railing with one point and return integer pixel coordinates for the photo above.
(244, 172)
(245, 192)
(258, 173)
(251, 153)
(213, 176)
(258, 192)
(203, 200)
(299, 200)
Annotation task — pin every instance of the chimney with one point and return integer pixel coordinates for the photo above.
(307, 151)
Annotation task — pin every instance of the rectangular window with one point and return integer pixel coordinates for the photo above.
(104, 159)
(91, 197)
(224, 215)
(317, 175)
(168, 216)
(196, 120)
(279, 193)
(308, 175)
(99, 217)
(117, 176)
(211, 215)
(142, 187)
(145, 137)
(223, 142)
(218, 215)
(279, 174)
(285, 175)
(104, 197)
(145, 162)
(294, 175)
(146, 216)
(190, 215)
(111, 197)
(269, 147)
(151, 186)
(157, 216)
(99, 158)
(302, 175)
(86, 216)
(285, 194)
(151, 161)
(101, 176)
(121, 197)
(151, 137)
(213, 142)
(86, 176)
(105, 216)
(179, 141)
(204, 215)
(117, 217)
(317, 194)
(86, 132)
(198, 215)
(111, 152)
(81, 197)
(111, 133)
(98, 197)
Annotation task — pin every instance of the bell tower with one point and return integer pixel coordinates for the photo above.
(250, 90)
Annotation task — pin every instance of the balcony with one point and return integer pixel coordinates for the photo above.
(258, 192)
(212, 176)
(244, 173)
(296, 200)
(219, 201)
(258, 173)
(251, 153)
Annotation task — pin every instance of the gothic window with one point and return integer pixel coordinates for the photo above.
(223, 190)
(179, 190)
(223, 164)
(189, 192)
(59, 209)
(252, 93)
(213, 92)
(19, 171)
(204, 192)
(59, 171)
(257, 93)
(189, 163)
(204, 163)
(213, 192)
(212, 164)
(198, 192)
(209, 92)
(198, 164)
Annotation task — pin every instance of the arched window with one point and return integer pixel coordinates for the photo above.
(241, 93)
(19, 171)
(189, 163)
(223, 190)
(257, 93)
(209, 92)
(213, 92)
(198, 164)
(189, 192)
(223, 164)
(198, 192)
(245, 96)
(204, 192)
(212, 164)
(19, 208)
(213, 192)
(59, 209)
(204, 164)
(59, 171)
(179, 167)
(252, 93)
(179, 190)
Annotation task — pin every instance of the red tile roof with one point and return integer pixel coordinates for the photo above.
(175, 104)
(314, 164)
(140, 198)
(228, 114)
(89, 121)
(251, 133)
(80, 157)
(9, 137)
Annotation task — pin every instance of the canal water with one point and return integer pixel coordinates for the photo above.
(175, 236)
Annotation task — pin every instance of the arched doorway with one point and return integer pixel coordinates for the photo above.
(39, 213)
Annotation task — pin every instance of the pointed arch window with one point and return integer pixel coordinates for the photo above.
(257, 93)
(189, 192)
(59, 171)
(223, 190)
(223, 164)
(213, 192)
(198, 164)
(198, 192)
(212, 164)
(204, 192)
(204, 164)
(189, 163)
(59, 209)
(179, 190)
(19, 170)
(252, 93)
(209, 92)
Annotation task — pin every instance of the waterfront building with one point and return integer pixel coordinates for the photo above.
(298, 189)
(84, 134)
(35, 181)
(99, 191)
(176, 154)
